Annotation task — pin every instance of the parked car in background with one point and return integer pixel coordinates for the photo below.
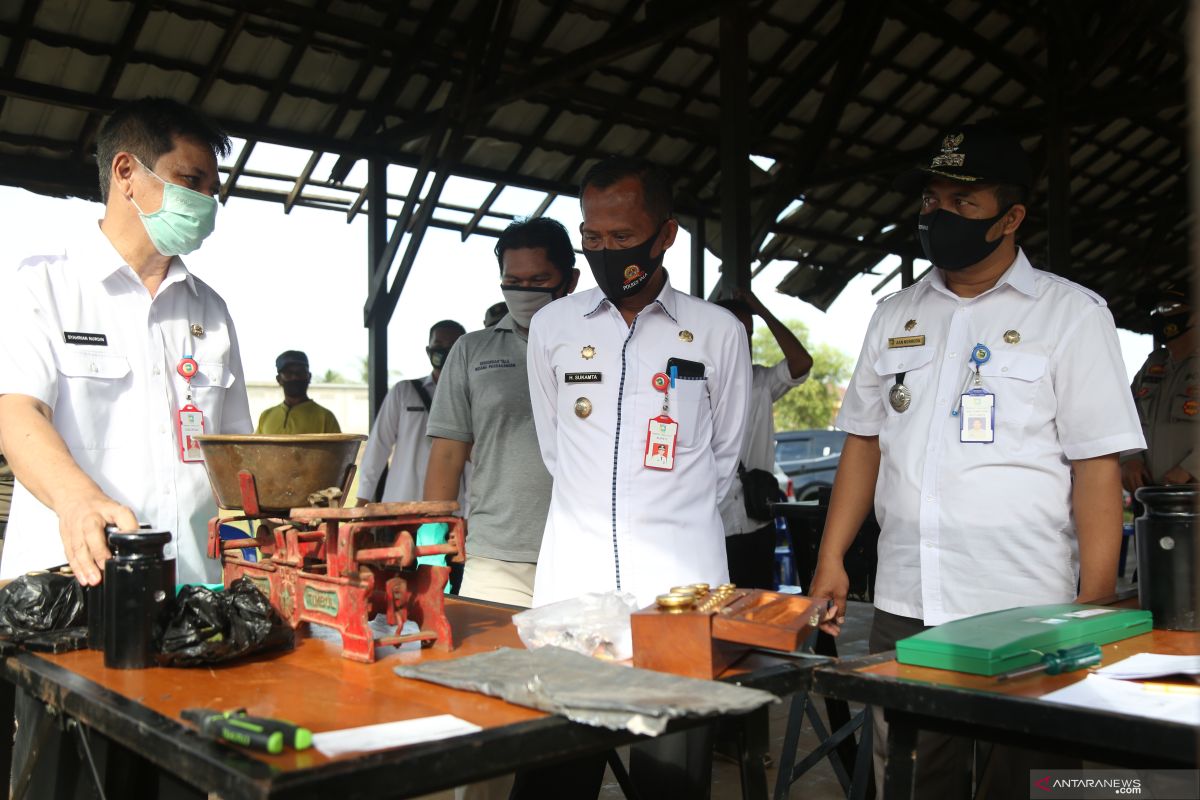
(785, 483)
(810, 458)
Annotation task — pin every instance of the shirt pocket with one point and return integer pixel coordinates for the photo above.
(1184, 408)
(911, 362)
(689, 400)
(90, 386)
(209, 385)
(1015, 379)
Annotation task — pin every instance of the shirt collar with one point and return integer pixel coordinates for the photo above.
(665, 300)
(101, 260)
(508, 325)
(1019, 275)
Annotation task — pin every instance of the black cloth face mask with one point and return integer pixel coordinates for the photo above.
(953, 242)
(295, 388)
(622, 273)
(1170, 327)
(437, 356)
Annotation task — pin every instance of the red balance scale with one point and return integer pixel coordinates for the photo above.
(339, 567)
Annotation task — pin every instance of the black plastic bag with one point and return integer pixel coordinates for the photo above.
(32, 605)
(207, 627)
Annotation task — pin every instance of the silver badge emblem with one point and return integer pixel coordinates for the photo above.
(900, 397)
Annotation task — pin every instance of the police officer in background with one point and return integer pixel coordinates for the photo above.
(985, 418)
(1167, 395)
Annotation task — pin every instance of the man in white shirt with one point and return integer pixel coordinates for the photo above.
(750, 541)
(601, 368)
(105, 343)
(398, 444)
(111, 349)
(1020, 512)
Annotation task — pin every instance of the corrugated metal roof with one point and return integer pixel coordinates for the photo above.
(842, 96)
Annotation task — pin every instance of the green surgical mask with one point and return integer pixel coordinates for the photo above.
(185, 220)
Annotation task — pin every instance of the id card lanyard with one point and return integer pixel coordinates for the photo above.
(189, 420)
(662, 431)
(977, 406)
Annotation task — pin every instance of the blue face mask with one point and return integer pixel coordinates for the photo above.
(185, 220)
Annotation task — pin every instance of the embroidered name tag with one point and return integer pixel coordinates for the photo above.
(905, 341)
(414, 408)
(70, 337)
(582, 377)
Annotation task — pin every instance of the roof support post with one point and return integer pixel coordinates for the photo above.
(1058, 155)
(377, 324)
(735, 150)
(698, 258)
(906, 272)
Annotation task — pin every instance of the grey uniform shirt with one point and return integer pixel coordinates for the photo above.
(483, 398)
(1167, 395)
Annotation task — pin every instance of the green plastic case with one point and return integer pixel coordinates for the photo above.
(989, 644)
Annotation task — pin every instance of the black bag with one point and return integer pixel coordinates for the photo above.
(760, 490)
(207, 627)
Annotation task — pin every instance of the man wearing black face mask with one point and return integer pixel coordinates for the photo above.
(1166, 391)
(397, 442)
(297, 413)
(985, 416)
(640, 396)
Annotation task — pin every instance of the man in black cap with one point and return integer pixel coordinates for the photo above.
(985, 418)
(298, 413)
(1167, 395)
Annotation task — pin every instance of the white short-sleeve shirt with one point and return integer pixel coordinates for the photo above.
(768, 384)
(82, 334)
(614, 523)
(972, 528)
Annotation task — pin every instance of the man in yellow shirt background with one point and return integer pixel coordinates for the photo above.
(298, 413)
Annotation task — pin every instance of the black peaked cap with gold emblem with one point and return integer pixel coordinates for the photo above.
(972, 154)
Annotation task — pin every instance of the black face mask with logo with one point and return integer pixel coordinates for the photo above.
(437, 356)
(1170, 327)
(623, 273)
(953, 242)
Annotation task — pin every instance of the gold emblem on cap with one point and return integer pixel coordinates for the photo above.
(908, 326)
(197, 329)
(1012, 336)
(686, 336)
(588, 352)
(952, 141)
(583, 408)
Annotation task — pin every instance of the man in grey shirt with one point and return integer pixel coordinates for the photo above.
(481, 413)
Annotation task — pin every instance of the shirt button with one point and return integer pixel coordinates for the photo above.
(162, 428)
(930, 498)
(1004, 369)
(157, 371)
(928, 545)
(951, 355)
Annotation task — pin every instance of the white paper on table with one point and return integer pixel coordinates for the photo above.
(1107, 694)
(1151, 665)
(391, 734)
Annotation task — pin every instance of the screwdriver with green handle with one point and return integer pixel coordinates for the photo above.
(257, 733)
(1068, 660)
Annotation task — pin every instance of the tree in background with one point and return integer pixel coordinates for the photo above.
(814, 403)
(333, 376)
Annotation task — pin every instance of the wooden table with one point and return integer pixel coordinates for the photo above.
(957, 703)
(313, 686)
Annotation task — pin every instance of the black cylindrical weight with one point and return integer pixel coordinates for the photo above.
(138, 583)
(1166, 554)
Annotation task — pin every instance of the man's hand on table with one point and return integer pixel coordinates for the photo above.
(81, 524)
(832, 581)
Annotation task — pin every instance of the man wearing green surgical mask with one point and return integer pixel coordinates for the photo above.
(115, 355)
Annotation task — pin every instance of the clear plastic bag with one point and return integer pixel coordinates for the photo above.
(595, 625)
